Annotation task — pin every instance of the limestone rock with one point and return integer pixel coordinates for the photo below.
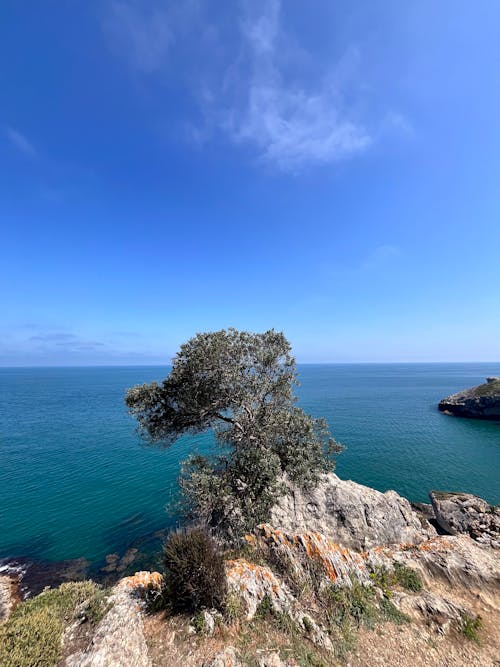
(119, 638)
(351, 514)
(311, 551)
(482, 402)
(10, 595)
(439, 612)
(226, 658)
(457, 560)
(272, 659)
(465, 513)
(255, 582)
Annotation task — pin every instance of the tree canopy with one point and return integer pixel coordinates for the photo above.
(241, 385)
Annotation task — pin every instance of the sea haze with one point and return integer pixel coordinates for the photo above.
(76, 481)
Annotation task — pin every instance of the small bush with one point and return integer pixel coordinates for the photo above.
(31, 637)
(401, 575)
(471, 627)
(408, 578)
(265, 608)
(389, 612)
(233, 609)
(195, 573)
(352, 604)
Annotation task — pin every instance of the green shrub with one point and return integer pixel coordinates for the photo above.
(265, 608)
(389, 612)
(31, 637)
(233, 608)
(407, 578)
(401, 575)
(350, 604)
(471, 627)
(195, 573)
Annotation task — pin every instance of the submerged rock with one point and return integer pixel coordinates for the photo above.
(481, 402)
(353, 515)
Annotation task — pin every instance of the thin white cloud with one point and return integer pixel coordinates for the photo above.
(244, 91)
(141, 32)
(291, 125)
(18, 140)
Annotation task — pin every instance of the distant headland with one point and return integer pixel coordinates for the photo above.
(481, 402)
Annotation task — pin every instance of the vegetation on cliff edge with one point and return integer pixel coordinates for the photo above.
(240, 385)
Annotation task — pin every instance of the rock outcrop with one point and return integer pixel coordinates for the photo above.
(481, 402)
(297, 553)
(351, 514)
(119, 638)
(465, 513)
(9, 595)
(455, 560)
(256, 582)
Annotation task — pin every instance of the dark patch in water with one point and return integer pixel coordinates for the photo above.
(35, 575)
(142, 552)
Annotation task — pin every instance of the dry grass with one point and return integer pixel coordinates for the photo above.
(32, 636)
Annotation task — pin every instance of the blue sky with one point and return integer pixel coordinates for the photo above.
(330, 169)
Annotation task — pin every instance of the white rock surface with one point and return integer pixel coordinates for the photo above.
(119, 638)
(353, 515)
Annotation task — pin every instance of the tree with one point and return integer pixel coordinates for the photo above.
(241, 385)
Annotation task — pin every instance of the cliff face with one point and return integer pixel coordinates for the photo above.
(354, 515)
(482, 402)
(310, 588)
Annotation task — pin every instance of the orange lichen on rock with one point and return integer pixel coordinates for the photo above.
(142, 582)
(254, 582)
(338, 564)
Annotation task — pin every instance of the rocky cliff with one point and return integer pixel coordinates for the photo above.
(356, 516)
(341, 572)
(482, 402)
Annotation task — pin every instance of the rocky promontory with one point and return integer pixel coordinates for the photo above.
(341, 572)
(481, 402)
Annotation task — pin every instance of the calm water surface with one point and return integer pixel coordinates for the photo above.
(76, 481)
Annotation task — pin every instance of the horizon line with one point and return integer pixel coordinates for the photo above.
(299, 363)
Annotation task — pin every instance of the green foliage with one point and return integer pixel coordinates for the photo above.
(350, 604)
(306, 621)
(198, 623)
(265, 608)
(195, 572)
(488, 389)
(471, 627)
(408, 578)
(233, 609)
(241, 385)
(400, 575)
(391, 613)
(348, 608)
(31, 637)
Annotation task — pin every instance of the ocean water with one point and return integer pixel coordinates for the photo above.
(76, 481)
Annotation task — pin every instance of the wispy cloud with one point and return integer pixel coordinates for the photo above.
(63, 339)
(142, 32)
(291, 124)
(247, 89)
(19, 141)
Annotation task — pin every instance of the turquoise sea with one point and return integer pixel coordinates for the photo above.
(76, 481)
